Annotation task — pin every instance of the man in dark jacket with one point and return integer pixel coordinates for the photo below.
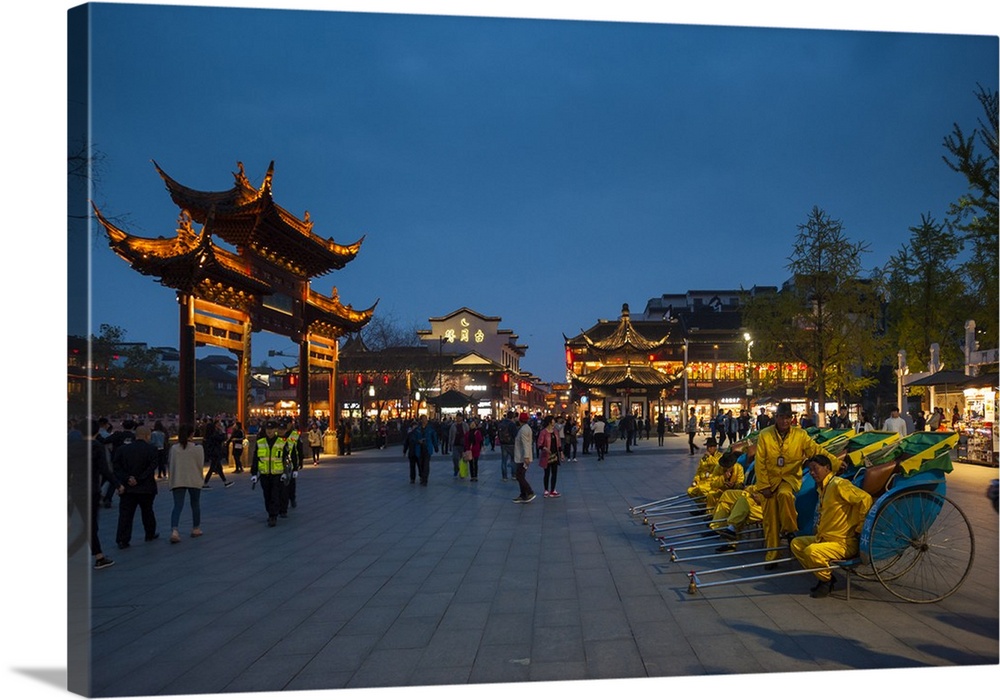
(135, 469)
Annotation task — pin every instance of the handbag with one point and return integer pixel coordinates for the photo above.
(467, 455)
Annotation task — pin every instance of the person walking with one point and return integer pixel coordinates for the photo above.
(894, 424)
(506, 432)
(569, 441)
(411, 452)
(185, 480)
(134, 465)
(522, 457)
(588, 433)
(691, 428)
(599, 429)
(661, 428)
(424, 440)
(215, 438)
(236, 438)
(100, 471)
(472, 445)
(293, 441)
(158, 439)
(549, 449)
(270, 466)
(456, 438)
(315, 442)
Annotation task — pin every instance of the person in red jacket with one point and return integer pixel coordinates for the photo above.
(473, 446)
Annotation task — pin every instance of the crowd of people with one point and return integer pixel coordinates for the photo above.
(129, 461)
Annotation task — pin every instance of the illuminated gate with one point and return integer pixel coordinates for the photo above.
(265, 285)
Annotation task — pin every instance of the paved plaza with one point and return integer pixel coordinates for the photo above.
(374, 582)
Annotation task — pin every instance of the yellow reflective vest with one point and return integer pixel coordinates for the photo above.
(271, 458)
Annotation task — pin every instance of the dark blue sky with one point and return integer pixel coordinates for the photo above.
(541, 171)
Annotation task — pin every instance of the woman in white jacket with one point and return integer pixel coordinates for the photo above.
(185, 476)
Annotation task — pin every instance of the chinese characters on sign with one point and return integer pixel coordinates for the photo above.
(462, 335)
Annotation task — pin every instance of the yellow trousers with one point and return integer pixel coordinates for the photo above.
(736, 508)
(780, 516)
(812, 554)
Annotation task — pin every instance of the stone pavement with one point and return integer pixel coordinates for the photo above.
(374, 582)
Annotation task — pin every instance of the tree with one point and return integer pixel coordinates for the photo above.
(129, 378)
(927, 295)
(974, 214)
(827, 316)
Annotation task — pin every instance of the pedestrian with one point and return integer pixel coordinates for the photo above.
(236, 438)
(134, 464)
(842, 509)
(661, 429)
(425, 443)
(158, 439)
(186, 462)
(315, 437)
(920, 422)
(599, 430)
(647, 425)
(781, 451)
(691, 427)
(627, 428)
(569, 441)
(506, 431)
(732, 426)
(763, 420)
(293, 441)
(472, 445)
(456, 438)
(864, 424)
(588, 433)
(549, 449)
(936, 419)
(411, 452)
(100, 471)
(894, 424)
(270, 466)
(522, 457)
(214, 440)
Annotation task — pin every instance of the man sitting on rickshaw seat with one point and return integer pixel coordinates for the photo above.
(842, 509)
(727, 475)
(701, 484)
(736, 509)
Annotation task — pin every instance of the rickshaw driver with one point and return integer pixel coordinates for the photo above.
(782, 448)
(727, 475)
(701, 485)
(842, 510)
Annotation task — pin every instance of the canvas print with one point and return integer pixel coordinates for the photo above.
(436, 353)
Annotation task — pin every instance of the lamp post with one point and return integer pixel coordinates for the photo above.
(746, 369)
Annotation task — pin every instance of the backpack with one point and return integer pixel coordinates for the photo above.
(506, 433)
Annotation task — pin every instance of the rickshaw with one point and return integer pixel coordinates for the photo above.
(915, 541)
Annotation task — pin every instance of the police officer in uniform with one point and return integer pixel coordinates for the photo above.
(271, 467)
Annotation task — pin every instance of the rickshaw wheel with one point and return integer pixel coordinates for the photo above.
(922, 546)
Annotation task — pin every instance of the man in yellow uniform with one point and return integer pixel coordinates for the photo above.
(727, 475)
(700, 485)
(842, 510)
(782, 448)
(270, 465)
(736, 509)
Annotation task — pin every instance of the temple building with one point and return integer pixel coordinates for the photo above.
(686, 350)
(225, 295)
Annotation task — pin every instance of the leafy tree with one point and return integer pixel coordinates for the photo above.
(827, 316)
(926, 295)
(974, 214)
(129, 378)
